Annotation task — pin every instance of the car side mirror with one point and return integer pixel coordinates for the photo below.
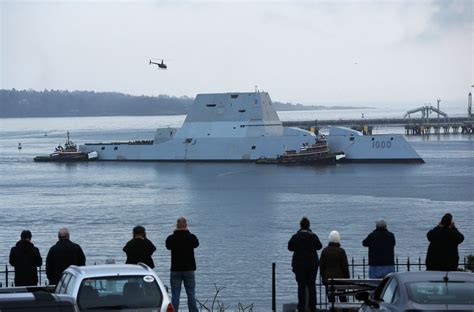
(364, 296)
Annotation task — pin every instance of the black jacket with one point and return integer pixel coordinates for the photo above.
(25, 258)
(60, 257)
(140, 250)
(182, 244)
(381, 245)
(304, 245)
(333, 262)
(443, 249)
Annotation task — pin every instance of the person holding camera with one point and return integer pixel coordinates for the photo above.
(443, 249)
(139, 248)
(183, 264)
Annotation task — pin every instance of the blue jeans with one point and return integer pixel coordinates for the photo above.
(380, 271)
(186, 277)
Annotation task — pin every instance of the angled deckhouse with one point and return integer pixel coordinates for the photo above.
(218, 127)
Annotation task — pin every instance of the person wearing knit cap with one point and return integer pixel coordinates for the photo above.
(333, 262)
(381, 245)
(305, 262)
(25, 258)
(443, 249)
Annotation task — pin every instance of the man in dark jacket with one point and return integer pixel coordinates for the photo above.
(182, 244)
(381, 245)
(305, 262)
(443, 249)
(139, 248)
(25, 258)
(63, 254)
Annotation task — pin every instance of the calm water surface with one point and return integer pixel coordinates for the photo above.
(243, 214)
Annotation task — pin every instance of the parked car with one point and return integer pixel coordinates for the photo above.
(36, 301)
(124, 287)
(416, 291)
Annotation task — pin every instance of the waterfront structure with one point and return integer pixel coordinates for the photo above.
(245, 127)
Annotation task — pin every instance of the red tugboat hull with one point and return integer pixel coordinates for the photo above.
(64, 157)
(316, 154)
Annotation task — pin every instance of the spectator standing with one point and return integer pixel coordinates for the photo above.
(381, 245)
(139, 248)
(25, 258)
(333, 262)
(443, 249)
(61, 255)
(183, 264)
(304, 245)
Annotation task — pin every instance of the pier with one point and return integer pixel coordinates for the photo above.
(413, 126)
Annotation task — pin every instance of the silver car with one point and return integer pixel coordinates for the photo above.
(116, 287)
(427, 290)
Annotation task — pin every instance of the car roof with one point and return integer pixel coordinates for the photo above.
(111, 270)
(40, 296)
(422, 276)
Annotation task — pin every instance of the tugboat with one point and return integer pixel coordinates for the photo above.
(315, 154)
(68, 153)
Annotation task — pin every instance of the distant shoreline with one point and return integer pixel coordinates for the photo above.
(165, 115)
(59, 103)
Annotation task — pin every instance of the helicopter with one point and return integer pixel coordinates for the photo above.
(161, 65)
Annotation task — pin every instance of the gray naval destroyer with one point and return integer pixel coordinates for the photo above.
(246, 127)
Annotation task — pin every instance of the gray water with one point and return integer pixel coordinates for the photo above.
(243, 214)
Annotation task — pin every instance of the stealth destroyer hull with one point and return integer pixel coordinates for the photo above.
(234, 127)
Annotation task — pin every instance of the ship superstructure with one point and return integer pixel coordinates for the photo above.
(218, 127)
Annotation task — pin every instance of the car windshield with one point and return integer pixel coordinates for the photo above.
(119, 293)
(438, 292)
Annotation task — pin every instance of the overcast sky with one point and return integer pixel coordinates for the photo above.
(310, 52)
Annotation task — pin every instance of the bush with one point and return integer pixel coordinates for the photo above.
(216, 305)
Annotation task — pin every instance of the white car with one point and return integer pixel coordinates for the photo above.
(115, 287)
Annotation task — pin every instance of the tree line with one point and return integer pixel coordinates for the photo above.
(60, 103)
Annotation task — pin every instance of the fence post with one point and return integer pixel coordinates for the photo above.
(396, 264)
(333, 296)
(273, 287)
(419, 263)
(6, 275)
(363, 267)
(320, 301)
(352, 261)
(408, 264)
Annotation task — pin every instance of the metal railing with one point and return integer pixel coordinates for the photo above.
(7, 277)
(361, 271)
(357, 270)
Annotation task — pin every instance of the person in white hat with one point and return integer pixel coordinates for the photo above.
(333, 262)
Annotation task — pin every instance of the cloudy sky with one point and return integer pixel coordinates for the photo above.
(311, 52)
